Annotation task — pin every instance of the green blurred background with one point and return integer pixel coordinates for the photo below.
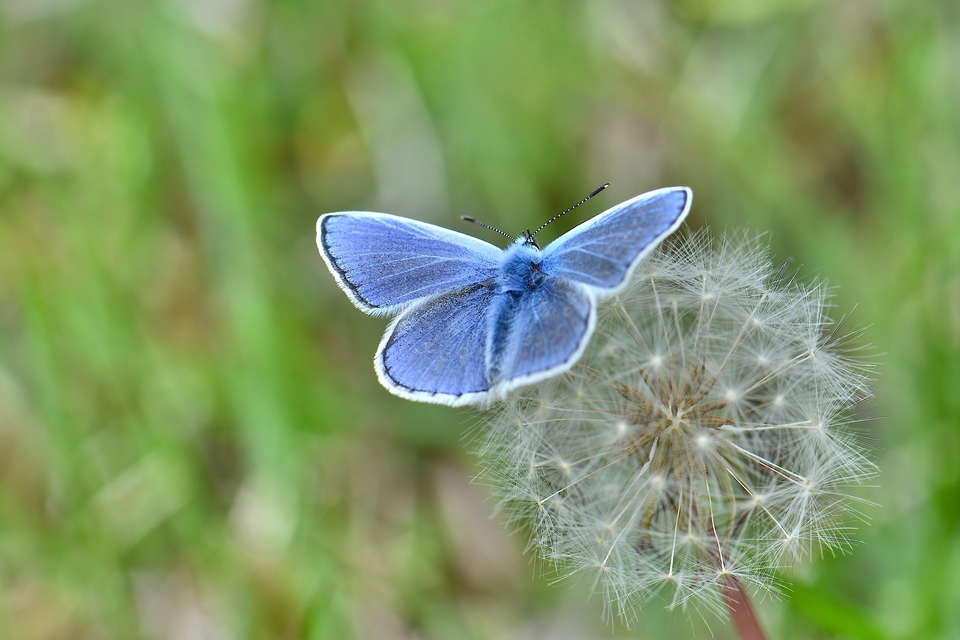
(193, 443)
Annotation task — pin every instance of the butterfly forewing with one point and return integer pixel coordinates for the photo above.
(384, 262)
(602, 252)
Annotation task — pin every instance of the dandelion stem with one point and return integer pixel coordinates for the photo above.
(741, 611)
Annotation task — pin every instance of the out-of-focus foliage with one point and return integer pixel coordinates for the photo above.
(192, 439)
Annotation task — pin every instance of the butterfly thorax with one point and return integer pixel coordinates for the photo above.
(521, 269)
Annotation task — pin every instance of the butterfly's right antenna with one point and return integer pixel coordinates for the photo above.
(592, 193)
(486, 226)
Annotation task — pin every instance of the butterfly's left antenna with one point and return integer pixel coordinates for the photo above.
(592, 193)
(486, 226)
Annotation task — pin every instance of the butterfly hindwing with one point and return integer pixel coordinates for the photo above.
(539, 333)
(385, 262)
(435, 351)
(602, 252)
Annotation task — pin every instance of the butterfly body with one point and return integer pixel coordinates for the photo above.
(474, 321)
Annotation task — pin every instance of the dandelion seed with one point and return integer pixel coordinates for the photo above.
(701, 441)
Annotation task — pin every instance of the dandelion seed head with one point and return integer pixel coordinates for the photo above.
(703, 433)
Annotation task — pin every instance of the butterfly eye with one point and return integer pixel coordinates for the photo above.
(529, 240)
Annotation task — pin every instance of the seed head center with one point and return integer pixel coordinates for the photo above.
(672, 406)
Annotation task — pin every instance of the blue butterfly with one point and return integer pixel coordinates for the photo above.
(474, 321)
